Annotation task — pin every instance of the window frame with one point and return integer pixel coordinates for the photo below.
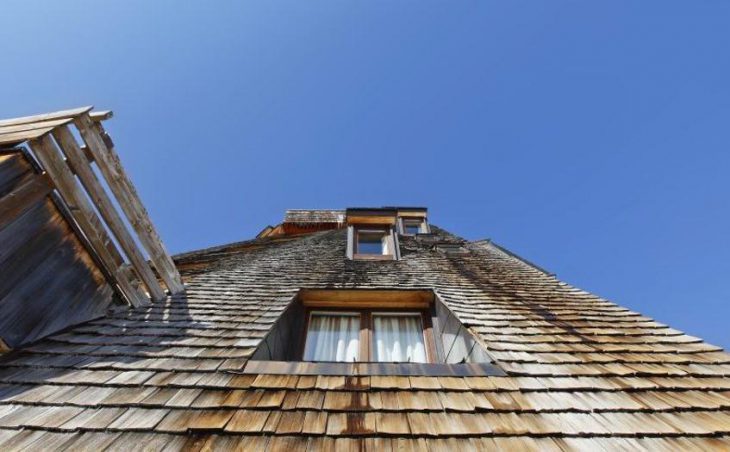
(422, 225)
(367, 328)
(387, 236)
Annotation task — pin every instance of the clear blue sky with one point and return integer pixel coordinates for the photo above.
(590, 137)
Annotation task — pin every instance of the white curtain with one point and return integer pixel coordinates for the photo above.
(386, 249)
(398, 339)
(333, 337)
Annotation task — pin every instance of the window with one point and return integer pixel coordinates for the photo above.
(333, 337)
(413, 226)
(373, 243)
(366, 335)
(370, 332)
(398, 338)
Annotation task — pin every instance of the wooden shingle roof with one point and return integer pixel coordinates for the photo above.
(582, 372)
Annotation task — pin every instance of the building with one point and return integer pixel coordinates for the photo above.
(355, 329)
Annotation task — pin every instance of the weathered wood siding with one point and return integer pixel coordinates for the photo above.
(48, 281)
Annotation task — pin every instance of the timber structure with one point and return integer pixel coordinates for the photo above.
(65, 167)
(505, 355)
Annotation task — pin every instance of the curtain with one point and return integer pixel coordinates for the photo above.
(398, 338)
(333, 337)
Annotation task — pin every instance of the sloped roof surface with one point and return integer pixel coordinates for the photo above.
(304, 216)
(584, 373)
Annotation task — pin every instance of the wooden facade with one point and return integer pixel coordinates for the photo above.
(70, 224)
(48, 278)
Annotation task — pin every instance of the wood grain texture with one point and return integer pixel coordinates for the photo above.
(110, 166)
(50, 157)
(49, 281)
(106, 208)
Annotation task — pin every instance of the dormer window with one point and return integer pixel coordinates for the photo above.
(372, 242)
(366, 335)
(371, 234)
(370, 332)
(412, 221)
(413, 226)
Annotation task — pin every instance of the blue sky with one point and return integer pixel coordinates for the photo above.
(589, 137)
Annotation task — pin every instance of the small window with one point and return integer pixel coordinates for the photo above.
(373, 243)
(413, 226)
(391, 337)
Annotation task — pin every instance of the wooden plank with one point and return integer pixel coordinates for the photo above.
(21, 229)
(46, 116)
(412, 214)
(33, 126)
(371, 304)
(22, 198)
(48, 154)
(371, 219)
(101, 115)
(105, 207)
(19, 137)
(59, 290)
(14, 170)
(110, 166)
(366, 298)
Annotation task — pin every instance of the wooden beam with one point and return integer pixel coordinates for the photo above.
(33, 126)
(106, 208)
(19, 137)
(371, 219)
(366, 298)
(412, 214)
(46, 117)
(102, 115)
(50, 157)
(110, 166)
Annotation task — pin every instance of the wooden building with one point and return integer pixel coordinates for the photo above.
(355, 329)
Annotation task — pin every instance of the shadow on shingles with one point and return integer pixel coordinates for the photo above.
(479, 279)
(57, 357)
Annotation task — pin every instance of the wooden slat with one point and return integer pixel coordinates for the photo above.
(46, 116)
(19, 137)
(362, 298)
(371, 219)
(33, 126)
(23, 197)
(102, 115)
(48, 154)
(105, 207)
(110, 166)
(14, 170)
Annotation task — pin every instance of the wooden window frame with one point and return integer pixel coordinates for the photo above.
(387, 235)
(366, 330)
(422, 225)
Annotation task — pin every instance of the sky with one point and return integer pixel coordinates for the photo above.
(592, 138)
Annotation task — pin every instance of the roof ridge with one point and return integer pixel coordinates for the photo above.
(490, 242)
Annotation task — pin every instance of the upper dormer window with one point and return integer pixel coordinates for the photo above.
(371, 234)
(374, 243)
(413, 226)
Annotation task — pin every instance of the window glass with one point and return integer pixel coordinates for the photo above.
(372, 242)
(412, 228)
(333, 337)
(398, 338)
